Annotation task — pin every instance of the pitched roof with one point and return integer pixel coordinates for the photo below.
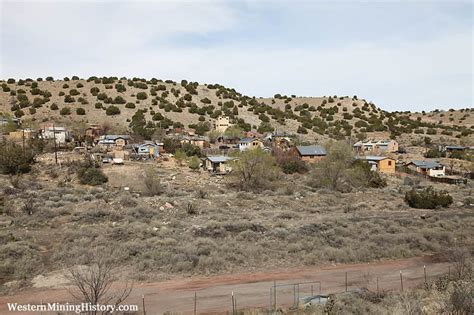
(425, 164)
(220, 158)
(115, 137)
(373, 158)
(248, 140)
(311, 150)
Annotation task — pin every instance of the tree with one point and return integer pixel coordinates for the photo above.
(234, 132)
(194, 163)
(254, 170)
(65, 111)
(180, 156)
(90, 175)
(152, 183)
(94, 283)
(142, 96)
(112, 110)
(289, 161)
(80, 111)
(428, 198)
(331, 172)
(14, 158)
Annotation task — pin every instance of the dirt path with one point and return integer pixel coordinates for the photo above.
(252, 290)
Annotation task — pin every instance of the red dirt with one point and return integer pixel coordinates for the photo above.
(252, 289)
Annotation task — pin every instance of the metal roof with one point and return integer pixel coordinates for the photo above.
(115, 137)
(425, 164)
(220, 158)
(372, 158)
(311, 150)
(248, 140)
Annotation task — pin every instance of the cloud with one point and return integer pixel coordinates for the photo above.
(236, 44)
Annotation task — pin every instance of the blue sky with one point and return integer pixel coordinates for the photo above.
(402, 55)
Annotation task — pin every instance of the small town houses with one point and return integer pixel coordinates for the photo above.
(220, 152)
(428, 168)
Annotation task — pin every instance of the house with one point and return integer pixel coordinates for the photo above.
(454, 148)
(199, 141)
(311, 153)
(279, 140)
(20, 135)
(374, 146)
(59, 134)
(109, 141)
(148, 149)
(250, 143)
(429, 168)
(222, 123)
(218, 164)
(380, 164)
(94, 131)
(7, 120)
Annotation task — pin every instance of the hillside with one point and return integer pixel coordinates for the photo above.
(166, 103)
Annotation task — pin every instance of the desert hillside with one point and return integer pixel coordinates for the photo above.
(114, 101)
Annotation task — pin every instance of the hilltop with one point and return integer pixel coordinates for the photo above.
(114, 102)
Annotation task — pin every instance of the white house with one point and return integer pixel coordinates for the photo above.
(250, 143)
(429, 168)
(59, 134)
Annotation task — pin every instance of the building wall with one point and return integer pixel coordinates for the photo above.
(436, 173)
(120, 142)
(221, 124)
(311, 158)
(386, 166)
(250, 145)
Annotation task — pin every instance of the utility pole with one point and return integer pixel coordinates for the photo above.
(23, 140)
(55, 146)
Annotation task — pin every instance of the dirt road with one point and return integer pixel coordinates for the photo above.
(252, 290)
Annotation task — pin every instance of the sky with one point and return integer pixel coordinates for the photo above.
(401, 55)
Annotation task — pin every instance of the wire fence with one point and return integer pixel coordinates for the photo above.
(286, 295)
(283, 295)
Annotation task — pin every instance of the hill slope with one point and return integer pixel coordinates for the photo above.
(165, 103)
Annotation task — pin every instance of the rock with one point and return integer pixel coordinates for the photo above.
(169, 205)
(459, 204)
(162, 208)
(155, 229)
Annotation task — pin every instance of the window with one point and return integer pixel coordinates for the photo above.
(389, 163)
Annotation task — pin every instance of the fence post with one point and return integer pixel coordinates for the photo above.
(275, 294)
(271, 300)
(298, 295)
(143, 303)
(195, 302)
(424, 271)
(401, 280)
(233, 306)
(312, 290)
(346, 281)
(377, 285)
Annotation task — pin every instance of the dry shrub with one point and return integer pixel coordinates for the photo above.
(152, 183)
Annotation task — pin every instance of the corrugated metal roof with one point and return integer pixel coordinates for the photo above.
(373, 158)
(220, 158)
(426, 164)
(311, 150)
(247, 140)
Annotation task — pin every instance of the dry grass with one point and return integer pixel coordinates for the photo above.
(180, 232)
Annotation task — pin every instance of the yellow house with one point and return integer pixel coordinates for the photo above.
(380, 164)
(250, 143)
(222, 123)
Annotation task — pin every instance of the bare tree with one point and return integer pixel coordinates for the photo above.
(462, 262)
(96, 283)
